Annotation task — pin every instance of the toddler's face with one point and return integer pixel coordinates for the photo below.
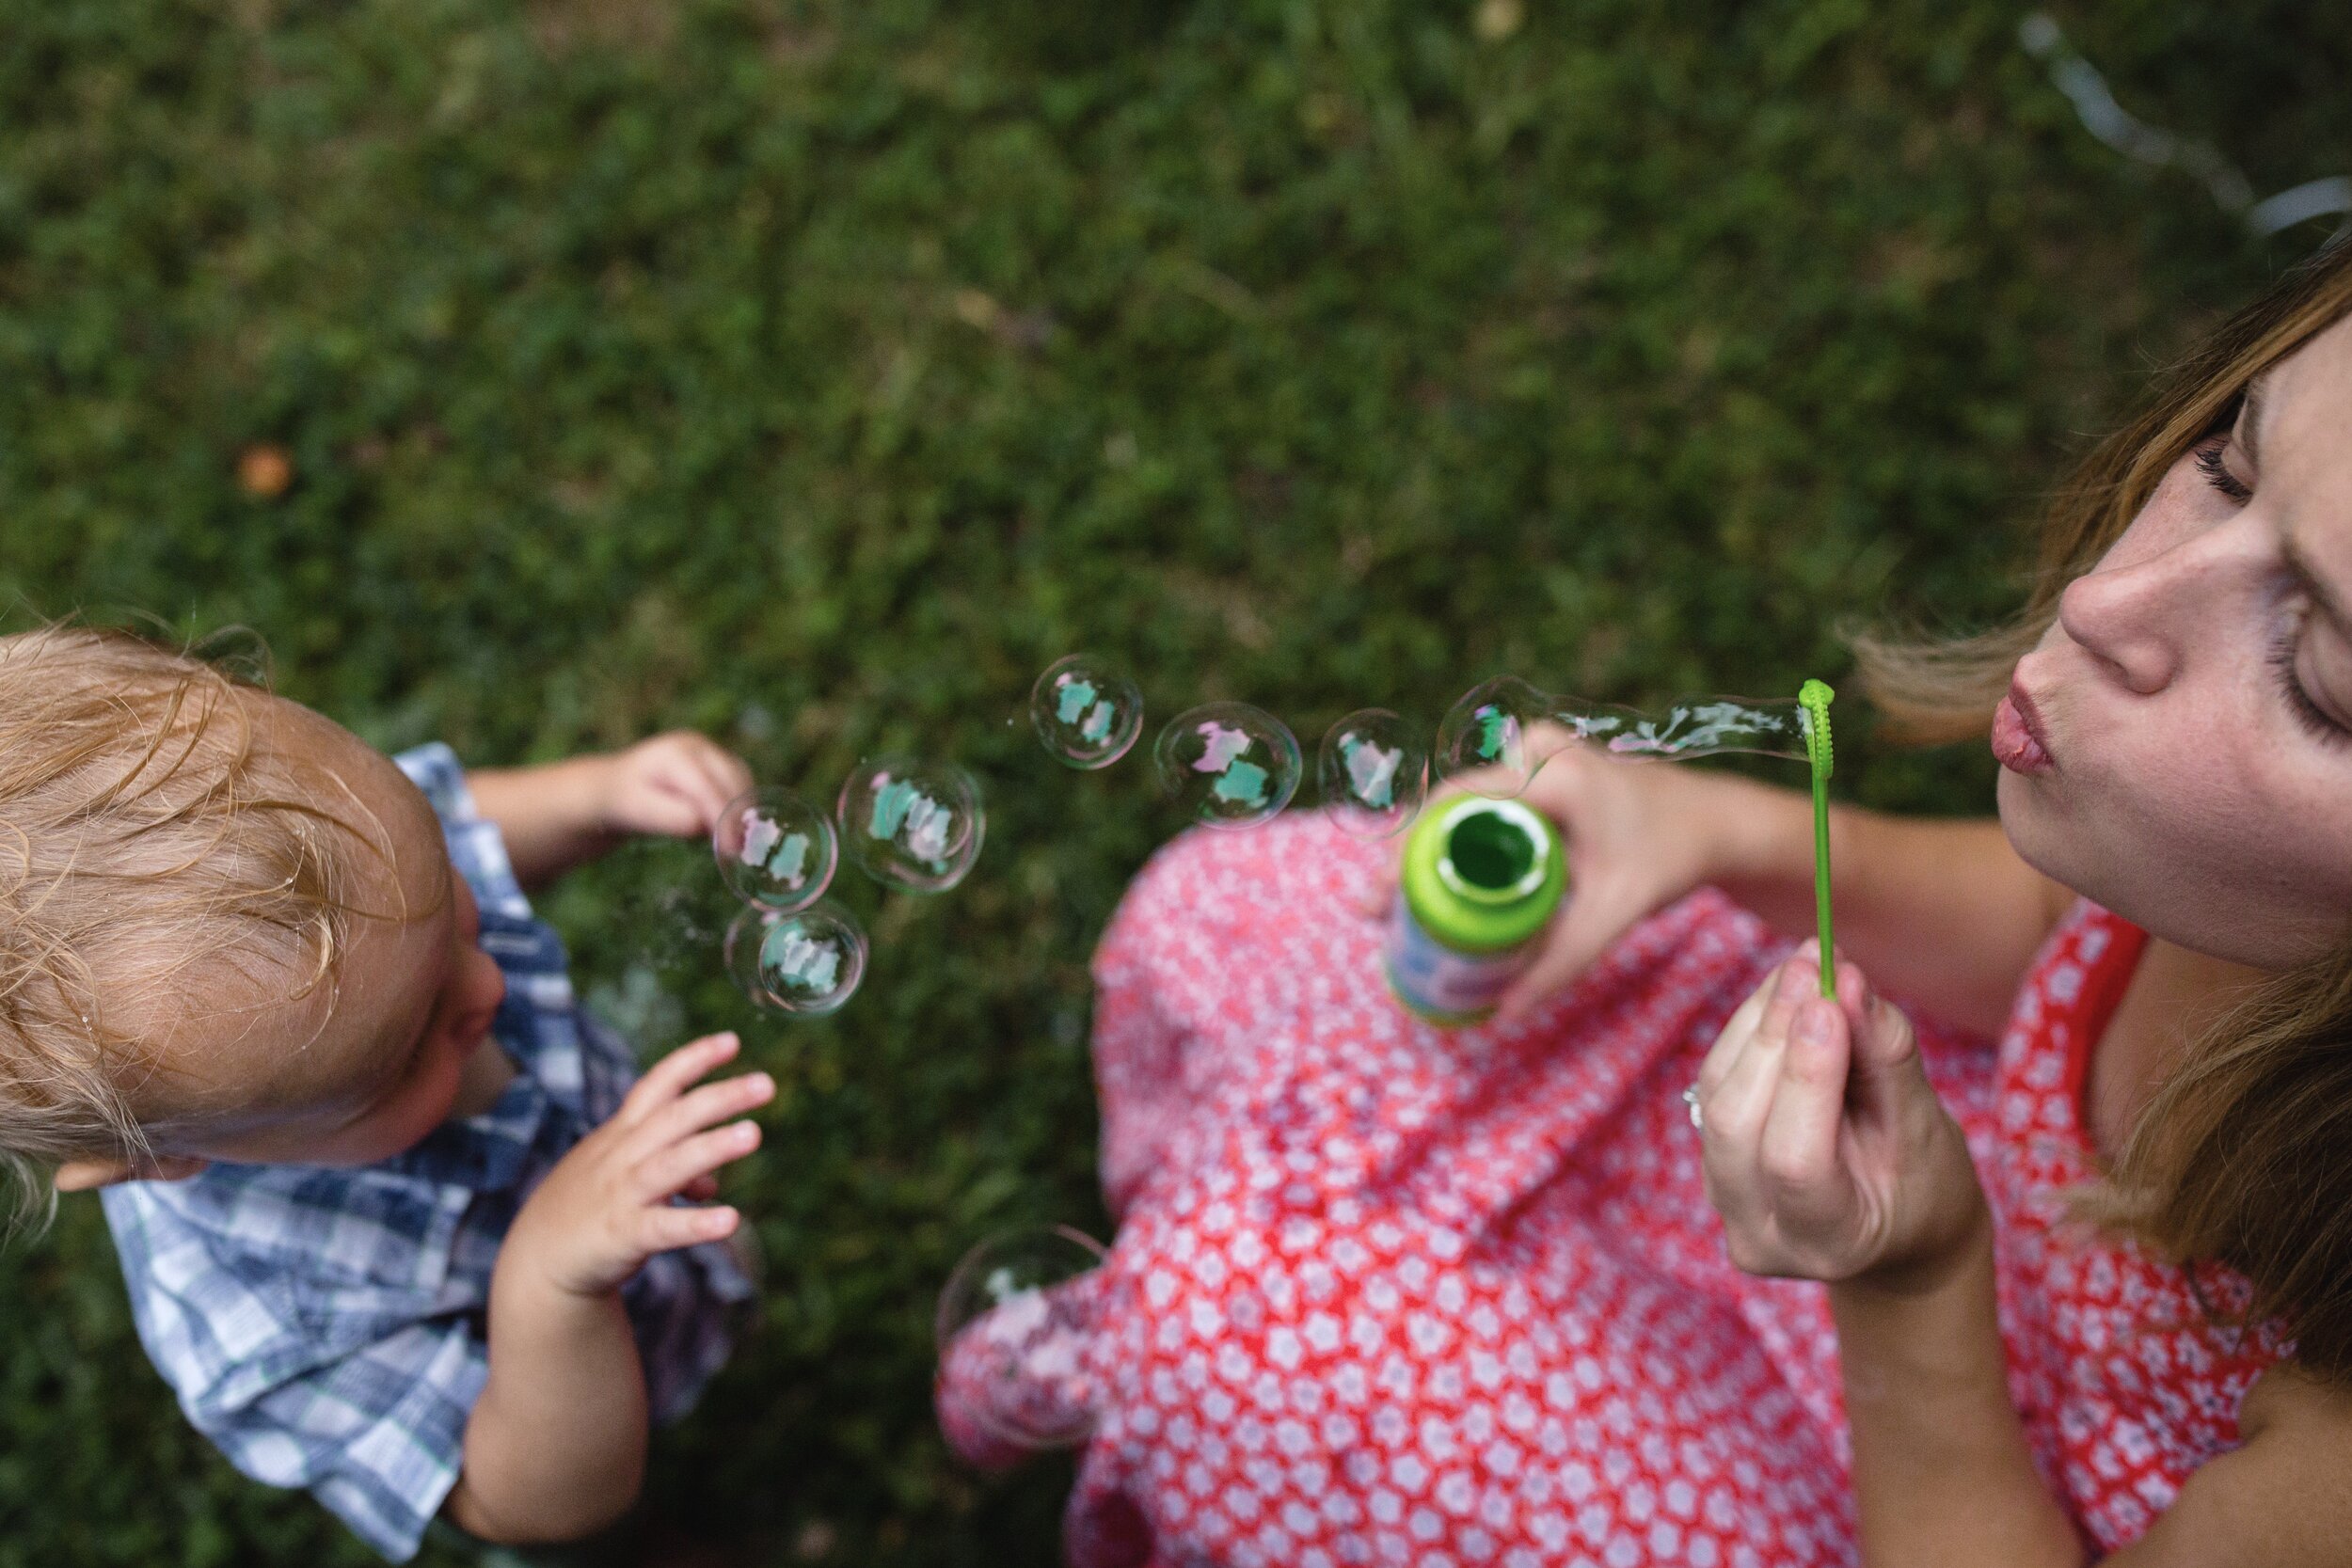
(2196, 690)
(358, 1071)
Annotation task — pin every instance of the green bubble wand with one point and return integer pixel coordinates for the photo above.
(1813, 699)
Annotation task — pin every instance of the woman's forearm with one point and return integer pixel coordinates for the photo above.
(1942, 1472)
(1939, 913)
(555, 1449)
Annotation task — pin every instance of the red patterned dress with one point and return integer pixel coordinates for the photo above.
(1386, 1295)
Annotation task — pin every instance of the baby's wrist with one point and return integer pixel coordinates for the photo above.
(549, 1286)
(583, 785)
(540, 1270)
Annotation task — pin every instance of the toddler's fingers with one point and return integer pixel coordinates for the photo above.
(667, 1172)
(667, 1078)
(699, 1108)
(689, 769)
(734, 772)
(665, 1228)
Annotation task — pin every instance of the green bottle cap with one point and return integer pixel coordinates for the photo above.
(1481, 875)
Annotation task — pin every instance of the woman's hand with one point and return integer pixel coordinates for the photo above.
(675, 784)
(1828, 1154)
(1639, 835)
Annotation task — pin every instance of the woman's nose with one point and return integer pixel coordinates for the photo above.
(2139, 615)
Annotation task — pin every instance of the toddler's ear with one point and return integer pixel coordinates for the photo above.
(82, 1175)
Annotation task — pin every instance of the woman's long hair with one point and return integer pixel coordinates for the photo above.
(2244, 1154)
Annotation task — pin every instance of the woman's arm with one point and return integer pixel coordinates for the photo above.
(1942, 1472)
(1830, 1158)
(1940, 912)
(1944, 1478)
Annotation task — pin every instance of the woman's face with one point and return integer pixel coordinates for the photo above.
(2179, 746)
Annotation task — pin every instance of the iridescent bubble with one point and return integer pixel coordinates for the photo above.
(1228, 764)
(1689, 726)
(1086, 712)
(912, 824)
(1019, 1362)
(1373, 772)
(774, 849)
(809, 963)
(1484, 739)
(799, 966)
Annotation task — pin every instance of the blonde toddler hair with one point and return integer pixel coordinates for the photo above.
(155, 848)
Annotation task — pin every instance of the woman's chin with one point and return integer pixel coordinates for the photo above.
(2025, 809)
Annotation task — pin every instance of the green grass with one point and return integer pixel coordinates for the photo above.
(817, 373)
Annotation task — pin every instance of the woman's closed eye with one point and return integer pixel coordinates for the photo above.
(2284, 657)
(2213, 462)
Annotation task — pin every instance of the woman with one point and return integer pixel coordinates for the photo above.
(1901, 1297)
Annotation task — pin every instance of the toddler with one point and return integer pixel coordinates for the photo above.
(399, 1222)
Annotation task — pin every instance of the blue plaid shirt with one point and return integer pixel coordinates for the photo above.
(325, 1327)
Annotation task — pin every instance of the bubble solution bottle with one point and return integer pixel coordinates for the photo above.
(1481, 880)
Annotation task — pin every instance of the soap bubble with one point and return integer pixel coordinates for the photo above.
(1087, 713)
(912, 824)
(774, 849)
(1016, 1333)
(799, 966)
(1689, 726)
(809, 963)
(1228, 764)
(1485, 735)
(1373, 772)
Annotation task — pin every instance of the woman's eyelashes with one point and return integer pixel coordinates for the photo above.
(2212, 465)
(2314, 719)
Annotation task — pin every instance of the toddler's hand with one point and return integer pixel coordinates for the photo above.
(605, 1208)
(675, 784)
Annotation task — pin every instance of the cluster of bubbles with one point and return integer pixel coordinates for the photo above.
(917, 824)
(1229, 765)
(1018, 1349)
(908, 824)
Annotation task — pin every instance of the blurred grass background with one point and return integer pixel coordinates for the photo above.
(814, 373)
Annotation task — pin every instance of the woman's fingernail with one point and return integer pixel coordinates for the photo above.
(1792, 980)
(1815, 1020)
